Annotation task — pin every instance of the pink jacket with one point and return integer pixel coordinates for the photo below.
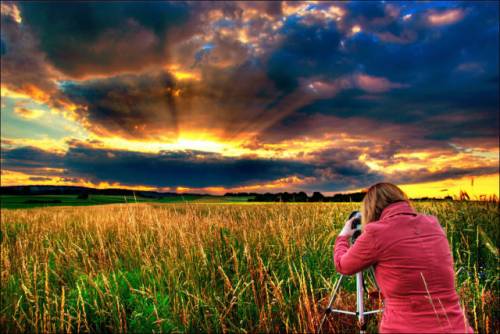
(414, 270)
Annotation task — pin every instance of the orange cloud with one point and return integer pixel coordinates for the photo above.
(28, 113)
(14, 93)
(55, 145)
(13, 178)
(368, 83)
(186, 75)
(374, 84)
(283, 184)
(446, 17)
(10, 9)
(355, 29)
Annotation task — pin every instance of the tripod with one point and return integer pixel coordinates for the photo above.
(360, 309)
(360, 286)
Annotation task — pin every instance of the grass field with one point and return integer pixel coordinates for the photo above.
(193, 267)
(32, 201)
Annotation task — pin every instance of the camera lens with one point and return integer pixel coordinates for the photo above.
(354, 213)
(356, 222)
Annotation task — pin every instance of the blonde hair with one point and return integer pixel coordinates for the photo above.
(377, 198)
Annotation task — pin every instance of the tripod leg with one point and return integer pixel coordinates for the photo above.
(330, 303)
(360, 309)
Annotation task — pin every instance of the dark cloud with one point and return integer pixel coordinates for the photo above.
(360, 11)
(425, 175)
(306, 51)
(418, 122)
(32, 161)
(340, 169)
(92, 38)
(30, 157)
(330, 169)
(3, 47)
(327, 170)
(428, 62)
(172, 169)
(447, 71)
(128, 105)
(166, 169)
(155, 105)
(364, 130)
(23, 64)
(39, 178)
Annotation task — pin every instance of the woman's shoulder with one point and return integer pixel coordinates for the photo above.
(387, 222)
(428, 222)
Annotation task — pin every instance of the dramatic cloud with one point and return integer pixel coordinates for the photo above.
(426, 175)
(320, 95)
(24, 66)
(338, 168)
(32, 161)
(105, 37)
(128, 105)
(166, 169)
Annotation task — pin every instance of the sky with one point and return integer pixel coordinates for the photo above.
(251, 96)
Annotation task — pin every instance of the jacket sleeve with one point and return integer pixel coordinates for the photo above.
(361, 255)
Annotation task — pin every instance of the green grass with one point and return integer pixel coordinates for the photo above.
(191, 267)
(22, 201)
(32, 201)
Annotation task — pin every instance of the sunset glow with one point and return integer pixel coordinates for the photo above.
(252, 96)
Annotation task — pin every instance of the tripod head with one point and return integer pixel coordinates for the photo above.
(355, 225)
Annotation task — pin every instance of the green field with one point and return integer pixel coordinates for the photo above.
(190, 267)
(32, 201)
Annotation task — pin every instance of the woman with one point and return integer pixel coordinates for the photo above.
(412, 260)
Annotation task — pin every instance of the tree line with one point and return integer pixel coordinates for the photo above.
(300, 197)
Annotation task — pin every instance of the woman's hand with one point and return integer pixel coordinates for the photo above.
(347, 231)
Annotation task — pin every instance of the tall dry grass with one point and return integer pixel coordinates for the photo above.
(207, 267)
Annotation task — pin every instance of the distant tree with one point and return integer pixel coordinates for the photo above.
(267, 197)
(286, 197)
(350, 197)
(301, 197)
(448, 198)
(317, 197)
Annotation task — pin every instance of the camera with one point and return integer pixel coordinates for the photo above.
(355, 225)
